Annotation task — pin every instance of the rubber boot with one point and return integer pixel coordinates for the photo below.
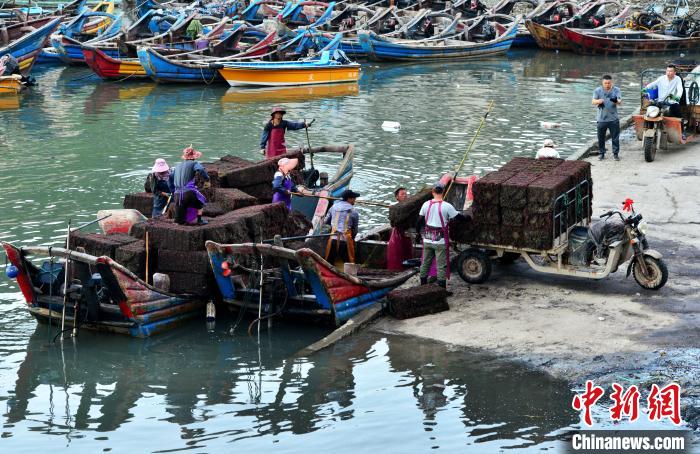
(423, 281)
(443, 284)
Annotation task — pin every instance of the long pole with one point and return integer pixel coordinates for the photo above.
(308, 141)
(65, 283)
(360, 202)
(464, 158)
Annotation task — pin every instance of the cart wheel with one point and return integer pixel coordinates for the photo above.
(649, 149)
(473, 266)
(508, 258)
(658, 273)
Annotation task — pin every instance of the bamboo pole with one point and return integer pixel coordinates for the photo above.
(464, 158)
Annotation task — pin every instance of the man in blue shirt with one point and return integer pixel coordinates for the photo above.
(606, 98)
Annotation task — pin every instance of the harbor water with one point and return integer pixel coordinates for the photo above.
(74, 145)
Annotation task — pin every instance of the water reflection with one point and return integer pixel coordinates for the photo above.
(219, 389)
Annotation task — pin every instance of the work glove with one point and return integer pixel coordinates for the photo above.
(674, 98)
(262, 151)
(207, 184)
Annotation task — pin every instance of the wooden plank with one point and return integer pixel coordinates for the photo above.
(352, 326)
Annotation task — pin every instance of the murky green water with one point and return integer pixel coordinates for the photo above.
(75, 145)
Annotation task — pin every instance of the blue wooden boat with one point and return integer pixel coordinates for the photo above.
(312, 289)
(193, 67)
(478, 38)
(26, 46)
(67, 42)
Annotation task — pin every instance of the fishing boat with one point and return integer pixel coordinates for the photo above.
(469, 42)
(11, 84)
(66, 43)
(311, 289)
(513, 7)
(26, 40)
(104, 295)
(611, 42)
(110, 68)
(193, 67)
(594, 16)
(322, 70)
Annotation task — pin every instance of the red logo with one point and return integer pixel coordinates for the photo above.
(625, 404)
(587, 400)
(665, 403)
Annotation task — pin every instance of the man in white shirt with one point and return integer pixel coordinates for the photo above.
(436, 215)
(547, 150)
(670, 90)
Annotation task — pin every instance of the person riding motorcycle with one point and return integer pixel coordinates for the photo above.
(670, 90)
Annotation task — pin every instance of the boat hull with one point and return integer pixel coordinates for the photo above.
(109, 68)
(381, 49)
(592, 44)
(264, 77)
(27, 48)
(164, 70)
(547, 37)
(10, 85)
(117, 302)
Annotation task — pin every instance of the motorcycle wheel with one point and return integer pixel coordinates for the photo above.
(658, 270)
(649, 149)
(473, 266)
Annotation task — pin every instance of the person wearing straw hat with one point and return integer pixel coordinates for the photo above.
(547, 151)
(272, 140)
(344, 222)
(189, 202)
(282, 183)
(157, 183)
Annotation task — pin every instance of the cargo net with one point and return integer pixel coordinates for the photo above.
(571, 209)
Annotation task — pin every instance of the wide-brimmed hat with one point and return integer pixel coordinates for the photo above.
(349, 194)
(277, 109)
(287, 164)
(190, 153)
(160, 166)
(548, 143)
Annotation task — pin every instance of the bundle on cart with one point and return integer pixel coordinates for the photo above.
(528, 203)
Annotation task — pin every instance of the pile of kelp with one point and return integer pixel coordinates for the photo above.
(527, 203)
(234, 215)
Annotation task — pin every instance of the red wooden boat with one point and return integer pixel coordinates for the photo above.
(546, 30)
(113, 68)
(589, 42)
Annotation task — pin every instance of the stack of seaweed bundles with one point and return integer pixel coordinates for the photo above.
(521, 204)
(417, 301)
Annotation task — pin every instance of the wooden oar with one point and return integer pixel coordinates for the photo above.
(361, 202)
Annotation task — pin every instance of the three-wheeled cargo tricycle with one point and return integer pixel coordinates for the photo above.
(653, 125)
(580, 247)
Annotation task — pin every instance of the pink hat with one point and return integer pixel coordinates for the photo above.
(160, 166)
(190, 153)
(286, 165)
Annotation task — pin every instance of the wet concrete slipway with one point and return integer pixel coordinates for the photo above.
(495, 373)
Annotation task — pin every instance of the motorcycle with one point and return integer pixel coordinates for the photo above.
(612, 241)
(655, 128)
